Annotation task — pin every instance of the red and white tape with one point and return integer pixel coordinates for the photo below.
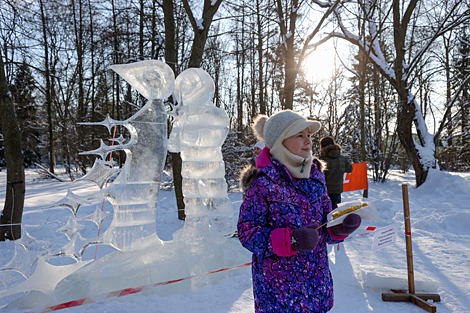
(128, 291)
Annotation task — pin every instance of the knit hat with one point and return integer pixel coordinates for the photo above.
(326, 141)
(276, 129)
(269, 129)
(260, 145)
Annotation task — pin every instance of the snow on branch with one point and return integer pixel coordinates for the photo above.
(420, 124)
(323, 4)
(427, 150)
(376, 52)
(199, 23)
(373, 49)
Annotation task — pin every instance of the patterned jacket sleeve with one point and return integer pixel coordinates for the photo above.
(253, 229)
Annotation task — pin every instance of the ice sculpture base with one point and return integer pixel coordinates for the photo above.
(119, 270)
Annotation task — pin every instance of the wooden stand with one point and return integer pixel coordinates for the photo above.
(401, 295)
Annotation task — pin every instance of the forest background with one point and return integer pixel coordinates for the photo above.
(396, 94)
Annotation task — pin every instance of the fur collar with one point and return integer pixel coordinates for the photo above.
(324, 151)
(247, 176)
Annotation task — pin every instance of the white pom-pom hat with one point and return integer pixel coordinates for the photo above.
(286, 123)
(260, 145)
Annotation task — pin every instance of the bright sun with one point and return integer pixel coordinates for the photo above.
(320, 63)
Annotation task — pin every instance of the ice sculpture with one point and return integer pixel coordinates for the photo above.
(96, 217)
(71, 228)
(45, 278)
(100, 172)
(134, 193)
(22, 261)
(199, 130)
(198, 133)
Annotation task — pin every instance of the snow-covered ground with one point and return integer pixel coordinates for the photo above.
(440, 219)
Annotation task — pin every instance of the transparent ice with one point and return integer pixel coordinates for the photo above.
(22, 261)
(6, 279)
(97, 217)
(100, 172)
(71, 228)
(198, 132)
(45, 278)
(134, 193)
(26, 239)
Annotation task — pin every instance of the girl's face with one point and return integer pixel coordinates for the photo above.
(299, 144)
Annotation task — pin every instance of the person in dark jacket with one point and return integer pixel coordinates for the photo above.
(283, 219)
(337, 165)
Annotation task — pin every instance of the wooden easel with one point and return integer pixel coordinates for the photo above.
(410, 296)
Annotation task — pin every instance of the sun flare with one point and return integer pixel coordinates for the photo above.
(320, 64)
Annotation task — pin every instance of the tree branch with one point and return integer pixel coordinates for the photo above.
(437, 34)
(192, 20)
(315, 31)
(449, 109)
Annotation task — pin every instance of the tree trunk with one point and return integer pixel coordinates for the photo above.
(240, 78)
(200, 35)
(291, 65)
(262, 105)
(13, 209)
(48, 88)
(171, 59)
(141, 29)
(82, 109)
(406, 107)
(362, 91)
(116, 84)
(93, 71)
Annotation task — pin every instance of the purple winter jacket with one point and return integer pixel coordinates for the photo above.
(301, 282)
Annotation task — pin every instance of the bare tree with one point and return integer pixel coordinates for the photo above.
(201, 29)
(421, 152)
(288, 14)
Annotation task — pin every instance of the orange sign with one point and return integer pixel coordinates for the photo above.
(357, 179)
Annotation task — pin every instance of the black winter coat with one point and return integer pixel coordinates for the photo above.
(337, 165)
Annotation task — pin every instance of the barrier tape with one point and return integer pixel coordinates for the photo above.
(128, 291)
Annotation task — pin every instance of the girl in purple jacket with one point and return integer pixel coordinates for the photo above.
(285, 203)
